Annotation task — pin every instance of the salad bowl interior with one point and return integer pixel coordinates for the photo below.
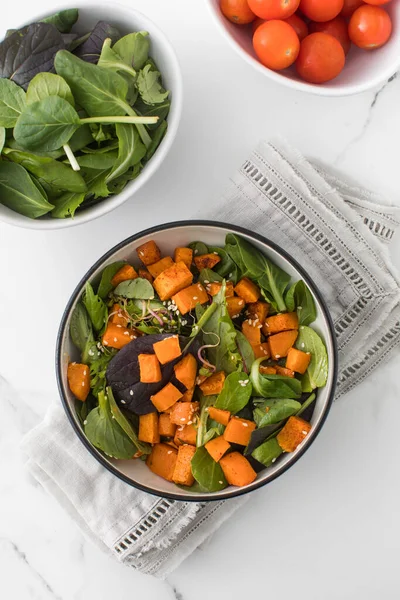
(168, 237)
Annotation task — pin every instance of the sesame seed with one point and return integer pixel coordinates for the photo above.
(302, 327)
(235, 316)
(273, 460)
(299, 308)
(241, 302)
(123, 402)
(206, 281)
(183, 419)
(169, 452)
(83, 384)
(164, 303)
(302, 344)
(85, 372)
(133, 337)
(91, 352)
(141, 252)
(189, 422)
(266, 324)
(85, 422)
(126, 332)
(277, 355)
(195, 297)
(115, 339)
(230, 274)
(221, 482)
(304, 432)
(118, 325)
(131, 392)
(105, 343)
(196, 251)
(245, 424)
(308, 353)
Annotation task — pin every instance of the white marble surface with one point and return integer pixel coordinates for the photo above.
(329, 528)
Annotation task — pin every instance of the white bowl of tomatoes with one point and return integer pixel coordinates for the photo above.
(326, 47)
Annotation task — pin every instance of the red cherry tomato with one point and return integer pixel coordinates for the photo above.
(350, 6)
(321, 58)
(338, 28)
(276, 44)
(321, 10)
(299, 26)
(237, 11)
(370, 27)
(377, 2)
(273, 9)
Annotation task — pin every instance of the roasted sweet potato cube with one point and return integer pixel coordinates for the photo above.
(280, 343)
(213, 385)
(165, 427)
(145, 274)
(78, 376)
(160, 266)
(173, 280)
(297, 360)
(261, 350)
(284, 371)
(185, 435)
(252, 331)
(166, 397)
(183, 413)
(219, 415)
(249, 291)
(188, 395)
(293, 433)
(162, 460)
(150, 370)
(234, 305)
(118, 316)
(183, 469)
(117, 336)
(149, 253)
(186, 370)
(148, 428)
(189, 297)
(238, 431)
(124, 274)
(167, 349)
(281, 322)
(267, 370)
(217, 447)
(258, 310)
(237, 469)
(214, 288)
(207, 261)
(185, 255)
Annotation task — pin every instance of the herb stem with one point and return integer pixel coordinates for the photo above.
(70, 155)
(134, 119)
(144, 136)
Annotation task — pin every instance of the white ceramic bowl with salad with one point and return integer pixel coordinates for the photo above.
(364, 70)
(127, 155)
(180, 376)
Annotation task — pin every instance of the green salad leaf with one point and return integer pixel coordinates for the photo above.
(19, 192)
(134, 49)
(135, 288)
(130, 150)
(149, 86)
(48, 84)
(273, 386)
(110, 59)
(299, 298)
(126, 425)
(268, 452)
(105, 285)
(96, 308)
(12, 102)
(80, 327)
(278, 410)
(207, 472)
(308, 340)
(63, 20)
(235, 394)
(66, 204)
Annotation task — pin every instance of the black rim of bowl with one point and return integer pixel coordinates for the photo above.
(98, 456)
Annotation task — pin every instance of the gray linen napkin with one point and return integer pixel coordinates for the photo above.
(340, 233)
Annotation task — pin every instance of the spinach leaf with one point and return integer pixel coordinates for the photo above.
(110, 59)
(95, 180)
(126, 425)
(226, 268)
(268, 452)
(134, 49)
(12, 102)
(207, 472)
(209, 276)
(95, 307)
(102, 161)
(308, 340)
(306, 385)
(66, 204)
(235, 394)
(29, 51)
(105, 433)
(222, 334)
(245, 351)
(46, 125)
(2, 138)
(198, 248)
(273, 386)
(48, 84)
(205, 402)
(105, 285)
(90, 49)
(150, 89)
(306, 404)
(63, 20)
(80, 328)
(135, 288)
(279, 409)
(130, 151)
(49, 170)
(256, 266)
(299, 298)
(156, 139)
(99, 91)
(159, 110)
(18, 191)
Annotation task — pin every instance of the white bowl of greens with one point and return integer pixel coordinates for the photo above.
(90, 102)
(114, 403)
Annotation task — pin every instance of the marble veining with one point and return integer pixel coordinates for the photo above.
(329, 527)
